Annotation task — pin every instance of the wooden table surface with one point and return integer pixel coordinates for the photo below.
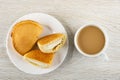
(72, 14)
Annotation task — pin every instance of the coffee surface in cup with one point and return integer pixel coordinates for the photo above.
(91, 40)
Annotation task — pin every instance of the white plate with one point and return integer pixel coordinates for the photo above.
(50, 25)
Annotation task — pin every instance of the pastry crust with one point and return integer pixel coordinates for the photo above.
(52, 42)
(38, 58)
(25, 34)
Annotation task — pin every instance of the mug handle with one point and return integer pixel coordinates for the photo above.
(106, 57)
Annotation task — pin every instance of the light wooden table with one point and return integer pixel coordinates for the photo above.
(73, 14)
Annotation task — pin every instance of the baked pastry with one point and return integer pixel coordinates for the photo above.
(25, 34)
(51, 43)
(38, 58)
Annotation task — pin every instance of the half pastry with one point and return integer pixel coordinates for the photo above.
(51, 43)
(25, 34)
(38, 58)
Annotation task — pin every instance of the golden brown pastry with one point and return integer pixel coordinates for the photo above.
(51, 43)
(25, 34)
(38, 58)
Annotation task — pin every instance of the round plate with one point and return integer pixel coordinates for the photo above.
(50, 25)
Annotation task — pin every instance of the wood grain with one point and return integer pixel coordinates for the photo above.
(73, 14)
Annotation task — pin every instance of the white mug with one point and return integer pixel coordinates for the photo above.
(97, 54)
